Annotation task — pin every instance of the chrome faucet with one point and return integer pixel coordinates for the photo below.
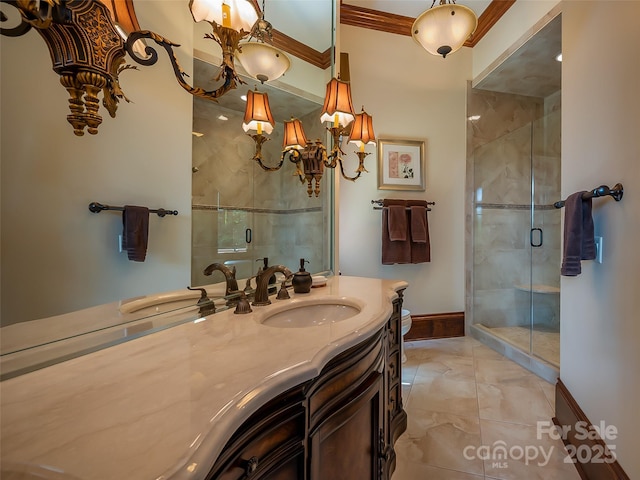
(229, 275)
(262, 285)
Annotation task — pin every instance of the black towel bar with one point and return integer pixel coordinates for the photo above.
(96, 207)
(602, 191)
(378, 205)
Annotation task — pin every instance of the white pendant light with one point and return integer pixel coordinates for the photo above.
(263, 61)
(443, 29)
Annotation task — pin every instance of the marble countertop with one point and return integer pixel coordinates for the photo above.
(162, 406)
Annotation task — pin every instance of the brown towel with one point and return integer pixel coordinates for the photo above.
(135, 232)
(397, 223)
(579, 241)
(394, 251)
(419, 233)
(420, 242)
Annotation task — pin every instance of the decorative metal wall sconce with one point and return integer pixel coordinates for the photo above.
(88, 51)
(311, 158)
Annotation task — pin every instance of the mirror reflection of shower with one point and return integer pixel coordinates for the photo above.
(240, 213)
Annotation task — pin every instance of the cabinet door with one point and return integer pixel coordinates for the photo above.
(269, 445)
(346, 444)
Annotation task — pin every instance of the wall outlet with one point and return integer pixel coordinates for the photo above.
(598, 241)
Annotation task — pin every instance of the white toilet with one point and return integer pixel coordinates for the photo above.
(406, 326)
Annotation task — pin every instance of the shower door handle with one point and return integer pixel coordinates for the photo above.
(531, 237)
(248, 234)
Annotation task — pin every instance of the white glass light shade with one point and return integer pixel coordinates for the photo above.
(257, 113)
(362, 130)
(337, 102)
(294, 136)
(444, 29)
(262, 61)
(243, 15)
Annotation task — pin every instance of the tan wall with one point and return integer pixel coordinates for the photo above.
(600, 144)
(411, 95)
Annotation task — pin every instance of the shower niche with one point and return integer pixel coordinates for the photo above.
(513, 179)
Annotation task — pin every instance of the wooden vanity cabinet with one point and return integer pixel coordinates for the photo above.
(269, 445)
(340, 425)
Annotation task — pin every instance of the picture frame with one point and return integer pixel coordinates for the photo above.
(401, 165)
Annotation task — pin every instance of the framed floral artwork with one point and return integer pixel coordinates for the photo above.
(401, 165)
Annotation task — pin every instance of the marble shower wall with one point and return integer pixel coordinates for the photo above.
(231, 193)
(514, 140)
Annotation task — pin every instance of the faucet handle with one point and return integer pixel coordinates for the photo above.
(283, 294)
(243, 305)
(247, 285)
(203, 295)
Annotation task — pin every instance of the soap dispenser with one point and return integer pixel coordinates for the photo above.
(302, 279)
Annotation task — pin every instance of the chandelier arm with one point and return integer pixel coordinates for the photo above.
(336, 154)
(296, 158)
(259, 139)
(361, 157)
(179, 73)
(31, 15)
(23, 27)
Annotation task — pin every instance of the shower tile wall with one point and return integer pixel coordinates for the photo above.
(286, 224)
(500, 152)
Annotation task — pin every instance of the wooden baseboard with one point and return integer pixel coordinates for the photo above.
(591, 454)
(438, 325)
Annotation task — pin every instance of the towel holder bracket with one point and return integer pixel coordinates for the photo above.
(96, 207)
(602, 191)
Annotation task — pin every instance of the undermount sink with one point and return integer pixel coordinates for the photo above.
(163, 302)
(304, 315)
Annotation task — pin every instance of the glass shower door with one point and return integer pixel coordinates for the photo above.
(502, 255)
(546, 244)
(516, 270)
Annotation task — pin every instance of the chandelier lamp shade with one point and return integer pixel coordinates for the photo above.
(362, 130)
(312, 157)
(236, 14)
(258, 117)
(338, 107)
(260, 58)
(294, 137)
(262, 61)
(444, 28)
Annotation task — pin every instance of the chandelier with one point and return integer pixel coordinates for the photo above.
(312, 157)
(443, 29)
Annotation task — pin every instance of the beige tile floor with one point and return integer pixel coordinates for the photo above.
(473, 414)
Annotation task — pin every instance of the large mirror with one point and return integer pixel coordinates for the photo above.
(58, 257)
(240, 212)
